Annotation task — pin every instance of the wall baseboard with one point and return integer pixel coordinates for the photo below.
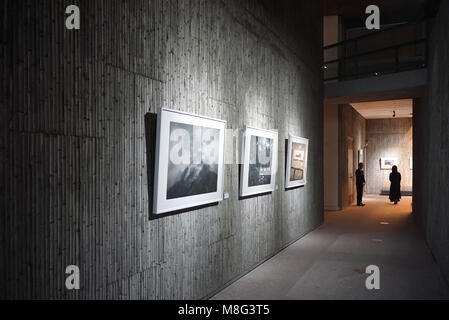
(236, 278)
(403, 193)
(332, 208)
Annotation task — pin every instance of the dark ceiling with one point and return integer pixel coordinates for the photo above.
(392, 11)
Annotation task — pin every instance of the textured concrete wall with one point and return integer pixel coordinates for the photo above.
(352, 132)
(388, 138)
(74, 181)
(331, 161)
(431, 145)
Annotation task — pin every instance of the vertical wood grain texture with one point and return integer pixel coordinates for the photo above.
(74, 172)
(388, 138)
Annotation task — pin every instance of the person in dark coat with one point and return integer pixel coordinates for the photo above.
(360, 182)
(395, 188)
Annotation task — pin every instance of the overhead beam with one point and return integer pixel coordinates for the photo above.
(410, 84)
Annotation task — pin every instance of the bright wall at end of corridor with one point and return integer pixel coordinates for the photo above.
(388, 138)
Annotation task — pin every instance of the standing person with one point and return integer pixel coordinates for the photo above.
(395, 188)
(360, 182)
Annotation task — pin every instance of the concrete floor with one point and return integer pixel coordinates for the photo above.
(330, 262)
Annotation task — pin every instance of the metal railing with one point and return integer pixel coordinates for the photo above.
(396, 49)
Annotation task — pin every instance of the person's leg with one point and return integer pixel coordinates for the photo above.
(359, 195)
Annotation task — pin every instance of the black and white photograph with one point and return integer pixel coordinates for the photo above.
(259, 161)
(296, 170)
(189, 161)
(193, 160)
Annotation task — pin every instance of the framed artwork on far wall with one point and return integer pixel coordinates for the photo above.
(361, 159)
(189, 163)
(388, 163)
(259, 161)
(297, 154)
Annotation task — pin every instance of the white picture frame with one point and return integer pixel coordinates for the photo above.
(360, 157)
(296, 164)
(411, 163)
(258, 169)
(187, 145)
(388, 163)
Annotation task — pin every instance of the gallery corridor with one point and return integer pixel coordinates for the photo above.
(177, 150)
(329, 263)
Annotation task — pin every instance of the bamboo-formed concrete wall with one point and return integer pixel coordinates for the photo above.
(431, 145)
(74, 182)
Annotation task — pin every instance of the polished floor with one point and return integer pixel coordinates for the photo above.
(330, 262)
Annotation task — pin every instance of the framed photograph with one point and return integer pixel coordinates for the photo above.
(189, 161)
(259, 161)
(297, 154)
(388, 163)
(361, 159)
